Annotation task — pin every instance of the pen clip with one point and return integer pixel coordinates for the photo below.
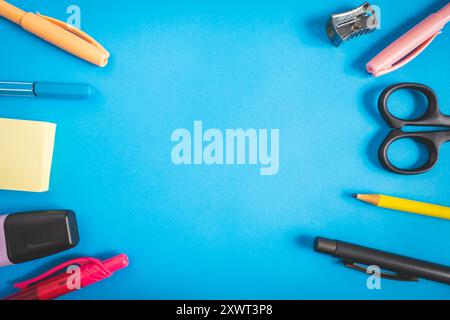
(409, 57)
(79, 33)
(389, 276)
(80, 261)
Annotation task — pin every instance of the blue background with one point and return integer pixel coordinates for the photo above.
(225, 231)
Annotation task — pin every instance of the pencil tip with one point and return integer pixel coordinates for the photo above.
(355, 196)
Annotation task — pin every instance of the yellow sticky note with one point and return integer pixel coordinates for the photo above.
(26, 152)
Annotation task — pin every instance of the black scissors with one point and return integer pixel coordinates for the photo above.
(431, 139)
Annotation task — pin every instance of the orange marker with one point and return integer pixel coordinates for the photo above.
(57, 33)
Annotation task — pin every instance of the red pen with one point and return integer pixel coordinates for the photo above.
(54, 284)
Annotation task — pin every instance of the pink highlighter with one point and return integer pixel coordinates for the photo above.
(410, 45)
(55, 282)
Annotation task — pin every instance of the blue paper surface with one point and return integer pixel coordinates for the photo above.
(225, 231)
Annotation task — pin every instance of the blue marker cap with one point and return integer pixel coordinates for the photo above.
(62, 90)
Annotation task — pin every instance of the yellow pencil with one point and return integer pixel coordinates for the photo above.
(405, 205)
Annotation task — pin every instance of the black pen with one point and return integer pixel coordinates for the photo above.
(404, 268)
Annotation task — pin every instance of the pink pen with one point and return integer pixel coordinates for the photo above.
(410, 45)
(53, 284)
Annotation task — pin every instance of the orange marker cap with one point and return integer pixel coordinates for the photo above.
(57, 33)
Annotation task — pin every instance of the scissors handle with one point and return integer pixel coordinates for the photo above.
(432, 116)
(432, 141)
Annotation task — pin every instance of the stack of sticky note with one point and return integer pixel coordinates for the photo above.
(26, 151)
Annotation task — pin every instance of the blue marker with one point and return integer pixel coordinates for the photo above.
(46, 90)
